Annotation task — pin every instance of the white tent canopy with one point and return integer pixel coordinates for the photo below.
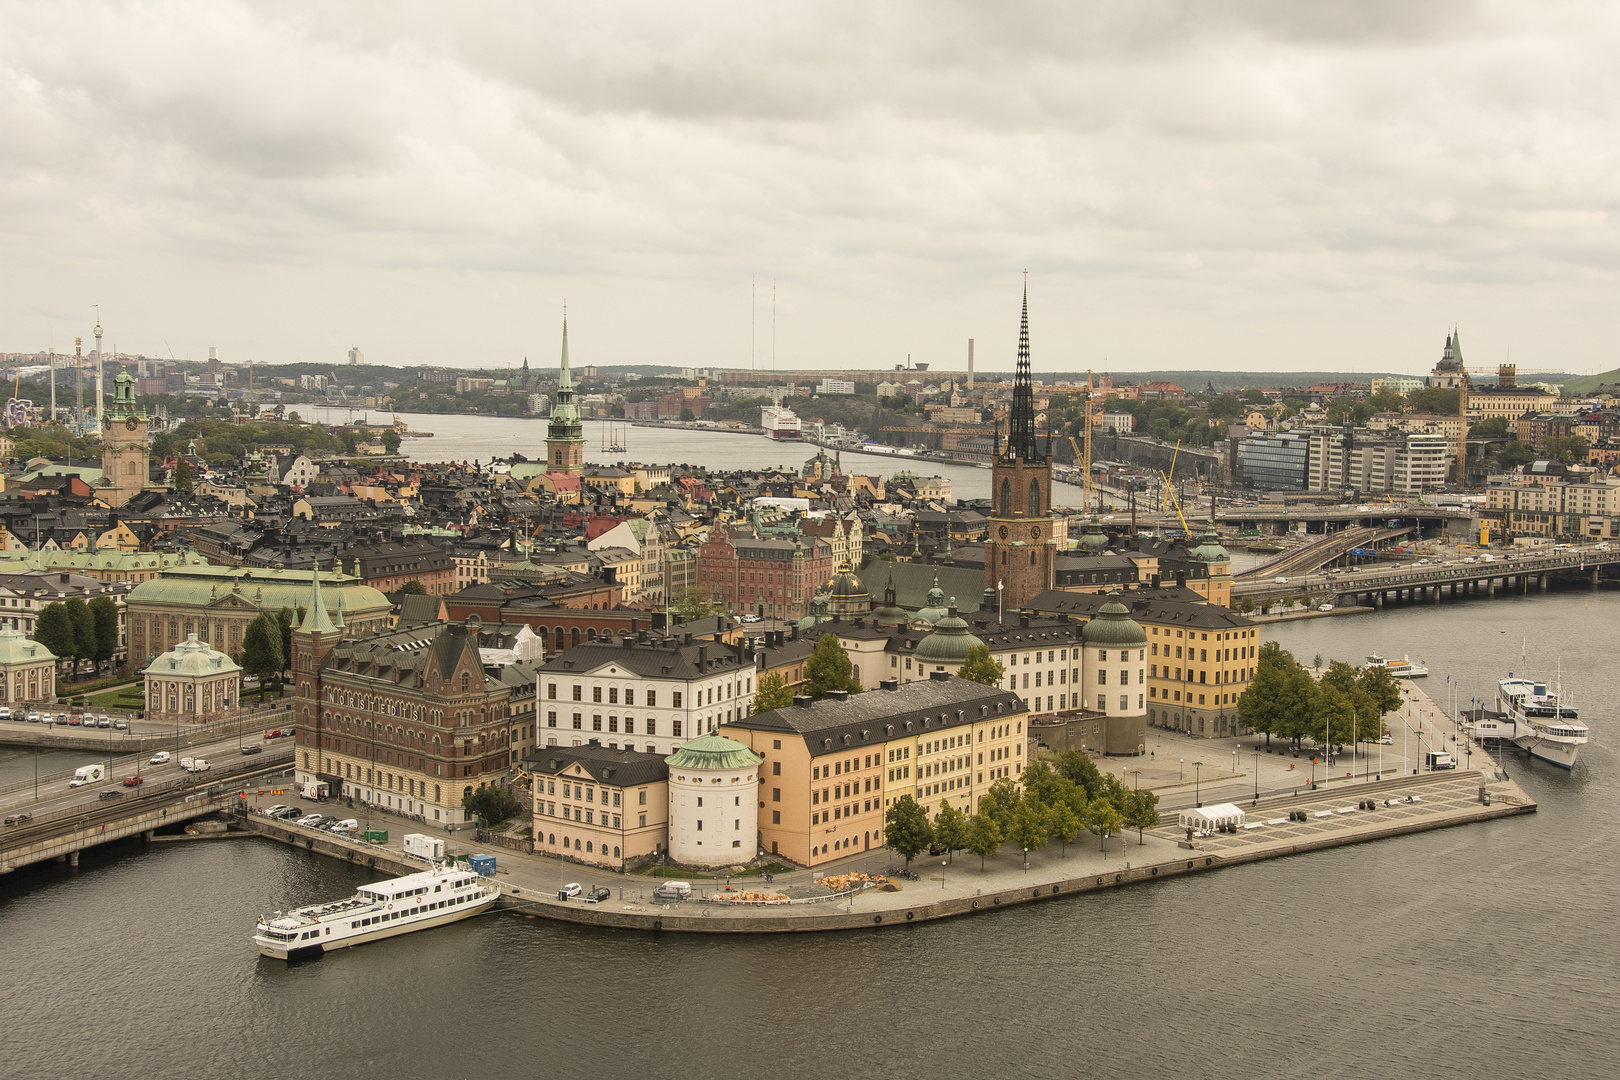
(1209, 817)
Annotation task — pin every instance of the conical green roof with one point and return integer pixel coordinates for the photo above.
(713, 752)
(936, 609)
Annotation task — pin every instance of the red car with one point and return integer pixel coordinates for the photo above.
(134, 781)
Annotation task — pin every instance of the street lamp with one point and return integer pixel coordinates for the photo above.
(1256, 774)
(1198, 778)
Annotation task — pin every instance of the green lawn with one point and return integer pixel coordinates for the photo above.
(127, 697)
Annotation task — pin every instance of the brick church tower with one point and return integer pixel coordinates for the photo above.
(565, 435)
(311, 641)
(1021, 557)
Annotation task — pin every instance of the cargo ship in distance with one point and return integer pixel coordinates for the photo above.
(775, 422)
(434, 897)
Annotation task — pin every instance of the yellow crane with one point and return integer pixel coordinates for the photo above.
(1169, 489)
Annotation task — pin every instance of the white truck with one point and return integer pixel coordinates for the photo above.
(197, 765)
(88, 774)
(424, 847)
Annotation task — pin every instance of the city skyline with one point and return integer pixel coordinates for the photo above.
(1253, 188)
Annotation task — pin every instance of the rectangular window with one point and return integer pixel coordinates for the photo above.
(629, 696)
(596, 721)
(579, 692)
(613, 724)
(776, 817)
(652, 726)
(677, 729)
(1102, 678)
(652, 699)
(596, 693)
(677, 695)
(579, 721)
(551, 691)
(776, 768)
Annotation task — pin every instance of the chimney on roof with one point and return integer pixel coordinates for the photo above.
(703, 658)
(803, 701)
(1181, 578)
(1155, 581)
(889, 684)
(626, 640)
(686, 639)
(64, 577)
(838, 695)
(1023, 620)
(635, 626)
(939, 676)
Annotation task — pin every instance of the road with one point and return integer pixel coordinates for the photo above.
(56, 797)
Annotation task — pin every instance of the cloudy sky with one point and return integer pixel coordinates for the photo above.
(1266, 184)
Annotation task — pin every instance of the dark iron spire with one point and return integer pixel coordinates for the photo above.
(1021, 418)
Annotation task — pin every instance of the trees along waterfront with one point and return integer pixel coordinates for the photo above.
(261, 650)
(951, 830)
(905, 827)
(1344, 706)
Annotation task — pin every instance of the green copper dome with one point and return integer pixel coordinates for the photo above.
(1113, 627)
(1209, 547)
(936, 609)
(713, 752)
(950, 642)
(818, 612)
(1093, 540)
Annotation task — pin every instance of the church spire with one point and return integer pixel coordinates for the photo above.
(1021, 418)
(316, 621)
(566, 379)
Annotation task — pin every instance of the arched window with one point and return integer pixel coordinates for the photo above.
(573, 636)
(466, 682)
(1034, 498)
(1006, 497)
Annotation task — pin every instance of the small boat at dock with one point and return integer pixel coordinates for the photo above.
(434, 897)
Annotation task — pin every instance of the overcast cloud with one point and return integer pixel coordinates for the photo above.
(1270, 184)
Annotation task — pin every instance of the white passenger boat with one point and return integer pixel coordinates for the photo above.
(387, 909)
(777, 422)
(1405, 668)
(1544, 727)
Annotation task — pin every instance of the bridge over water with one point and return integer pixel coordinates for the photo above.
(1375, 588)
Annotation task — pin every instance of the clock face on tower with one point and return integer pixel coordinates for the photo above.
(1034, 532)
(1002, 532)
(131, 423)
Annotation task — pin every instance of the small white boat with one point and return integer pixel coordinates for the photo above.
(1543, 726)
(435, 897)
(1405, 668)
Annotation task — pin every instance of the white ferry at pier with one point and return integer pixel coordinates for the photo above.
(779, 423)
(1401, 669)
(387, 909)
(1544, 727)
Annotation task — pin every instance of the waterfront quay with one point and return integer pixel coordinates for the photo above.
(1406, 799)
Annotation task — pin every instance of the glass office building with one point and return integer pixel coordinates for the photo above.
(1273, 462)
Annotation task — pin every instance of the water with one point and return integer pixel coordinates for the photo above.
(480, 438)
(1477, 951)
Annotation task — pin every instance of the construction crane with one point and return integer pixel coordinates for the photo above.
(1169, 489)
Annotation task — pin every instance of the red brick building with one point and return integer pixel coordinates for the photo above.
(776, 577)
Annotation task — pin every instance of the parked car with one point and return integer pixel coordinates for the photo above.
(1387, 740)
(111, 793)
(252, 749)
(598, 894)
(35, 718)
(313, 821)
(134, 781)
(673, 890)
(71, 721)
(19, 819)
(121, 725)
(159, 758)
(569, 891)
(273, 810)
(342, 826)
(103, 721)
(5, 713)
(290, 813)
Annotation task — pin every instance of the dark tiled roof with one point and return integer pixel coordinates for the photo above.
(653, 660)
(830, 726)
(615, 768)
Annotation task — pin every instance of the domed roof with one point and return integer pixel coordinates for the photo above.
(713, 752)
(1093, 540)
(935, 610)
(1209, 547)
(846, 586)
(192, 657)
(950, 642)
(889, 613)
(1114, 626)
(818, 612)
(17, 647)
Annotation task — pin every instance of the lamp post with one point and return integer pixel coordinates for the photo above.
(1256, 775)
(1198, 779)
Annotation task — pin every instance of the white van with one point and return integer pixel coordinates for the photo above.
(88, 774)
(1280, 581)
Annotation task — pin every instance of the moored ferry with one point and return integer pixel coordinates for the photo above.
(1544, 727)
(779, 423)
(386, 909)
(1404, 668)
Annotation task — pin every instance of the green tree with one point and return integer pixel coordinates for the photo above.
(1083, 771)
(693, 604)
(1513, 454)
(1343, 688)
(1383, 694)
(54, 630)
(490, 804)
(182, 476)
(104, 613)
(1141, 811)
(286, 618)
(772, 692)
(1262, 707)
(829, 668)
(1103, 820)
(1062, 825)
(980, 668)
(390, 441)
(84, 628)
(1494, 428)
(984, 837)
(261, 650)
(906, 829)
(686, 416)
(951, 829)
(414, 587)
(1029, 825)
(1000, 804)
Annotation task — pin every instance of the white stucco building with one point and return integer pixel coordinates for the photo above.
(713, 802)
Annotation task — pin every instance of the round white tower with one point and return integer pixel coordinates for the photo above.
(713, 802)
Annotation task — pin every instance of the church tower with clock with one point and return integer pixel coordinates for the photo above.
(125, 456)
(1021, 557)
(565, 435)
